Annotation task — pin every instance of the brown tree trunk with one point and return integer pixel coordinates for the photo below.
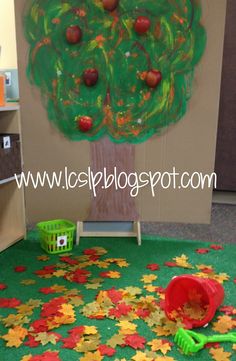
(111, 204)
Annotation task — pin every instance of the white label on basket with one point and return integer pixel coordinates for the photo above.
(6, 142)
(61, 241)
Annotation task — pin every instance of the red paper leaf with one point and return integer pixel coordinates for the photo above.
(135, 341)
(9, 302)
(44, 272)
(104, 274)
(46, 356)
(2, 286)
(114, 295)
(216, 247)
(49, 268)
(106, 350)
(228, 310)
(47, 290)
(153, 267)
(170, 264)
(78, 330)
(69, 260)
(20, 269)
(31, 342)
(214, 345)
(143, 313)
(39, 326)
(207, 270)
(160, 289)
(70, 342)
(121, 310)
(90, 251)
(202, 250)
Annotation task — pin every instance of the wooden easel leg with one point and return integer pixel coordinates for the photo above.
(78, 233)
(138, 232)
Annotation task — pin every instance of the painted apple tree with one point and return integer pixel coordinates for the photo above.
(120, 68)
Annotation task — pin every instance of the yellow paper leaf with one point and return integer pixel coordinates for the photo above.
(15, 336)
(114, 274)
(44, 338)
(43, 258)
(182, 261)
(90, 330)
(28, 282)
(34, 303)
(59, 273)
(126, 325)
(122, 263)
(67, 309)
(58, 288)
(15, 320)
(26, 358)
(141, 356)
(25, 309)
(149, 278)
(219, 354)
(116, 340)
(93, 286)
(160, 345)
(164, 358)
(92, 356)
(224, 324)
(150, 288)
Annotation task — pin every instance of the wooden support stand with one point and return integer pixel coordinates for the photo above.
(83, 231)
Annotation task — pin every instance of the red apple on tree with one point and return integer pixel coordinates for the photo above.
(90, 77)
(142, 25)
(153, 78)
(110, 5)
(85, 123)
(73, 34)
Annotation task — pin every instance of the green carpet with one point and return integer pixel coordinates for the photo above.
(120, 311)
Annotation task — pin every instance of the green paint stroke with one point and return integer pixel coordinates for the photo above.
(134, 112)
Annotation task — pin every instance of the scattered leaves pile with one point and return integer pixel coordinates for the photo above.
(107, 324)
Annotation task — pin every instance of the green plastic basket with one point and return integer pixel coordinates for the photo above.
(56, 236)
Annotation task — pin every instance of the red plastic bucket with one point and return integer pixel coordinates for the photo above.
(210, 295)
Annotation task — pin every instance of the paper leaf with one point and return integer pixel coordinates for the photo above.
(92, 356)
(116, 340)
(148, 278)
(135, 341)
(219, 354)
(28, 282)
(106, 350)
(182, 261)
(141, 356)
(15, 336)
(153, 267)
(224, 324)
(44, 338)
(160, 345)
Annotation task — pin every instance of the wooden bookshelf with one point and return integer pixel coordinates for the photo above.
(12, 205)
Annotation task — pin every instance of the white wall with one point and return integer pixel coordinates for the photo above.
(8, 57)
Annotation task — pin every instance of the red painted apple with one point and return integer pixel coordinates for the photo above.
(90, 77)
(73, 34)
(142, 25)
(110, 5)
(85, 123)
(153, 78)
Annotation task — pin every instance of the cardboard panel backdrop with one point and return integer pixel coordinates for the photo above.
(188, 146)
